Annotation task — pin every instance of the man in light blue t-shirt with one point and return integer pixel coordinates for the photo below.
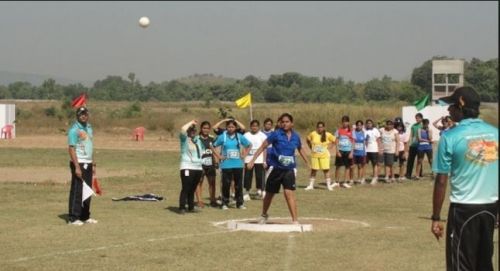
(82, 165)
(468, 156)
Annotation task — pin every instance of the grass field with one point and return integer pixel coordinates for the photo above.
(34, 188)
(152, 236)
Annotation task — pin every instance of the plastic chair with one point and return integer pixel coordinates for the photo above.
(138, 134)
(7, 131)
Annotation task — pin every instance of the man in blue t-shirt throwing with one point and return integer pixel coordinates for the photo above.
(468, 154)
(282, 166)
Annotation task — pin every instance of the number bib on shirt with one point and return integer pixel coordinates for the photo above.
(286, 160)
(207, 161)
(233, 154)
(359, 146)
(318, 149)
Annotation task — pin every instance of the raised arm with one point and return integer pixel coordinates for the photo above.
(435, 123)
(242, 127)
(216, 126)
(186, 126)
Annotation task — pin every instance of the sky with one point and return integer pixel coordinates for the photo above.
(356, 40)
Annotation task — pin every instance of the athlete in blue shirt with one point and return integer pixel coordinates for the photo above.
(231, 162)
(282, 165)
(468, 154)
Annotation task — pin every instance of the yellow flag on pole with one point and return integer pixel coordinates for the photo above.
(244, 101)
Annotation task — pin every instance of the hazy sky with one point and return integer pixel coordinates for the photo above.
(359, 41)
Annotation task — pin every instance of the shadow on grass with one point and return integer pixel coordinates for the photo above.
(64, 217)
(173, 209)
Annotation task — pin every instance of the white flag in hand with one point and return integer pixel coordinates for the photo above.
(87, 192)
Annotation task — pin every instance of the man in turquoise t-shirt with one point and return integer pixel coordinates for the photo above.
(82, 165)
(468, 154)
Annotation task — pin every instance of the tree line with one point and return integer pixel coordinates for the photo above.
(286, 87)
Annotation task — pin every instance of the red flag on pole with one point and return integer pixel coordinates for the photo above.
(79, 101)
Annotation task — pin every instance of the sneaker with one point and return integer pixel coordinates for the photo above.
(374, 181)
(362, 182)
(263, 219)
(246, 197)
(402, 178)
(224, 207)
(335, 184)
(351, 182)
(259, 193)
(90, 221)
(263, 194)
(75, 223)
(242, 207)
(309, 187)
(345, 185)
(214, 204)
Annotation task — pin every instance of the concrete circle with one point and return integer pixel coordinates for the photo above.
(282, 224)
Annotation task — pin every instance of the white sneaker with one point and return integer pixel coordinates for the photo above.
(345, 185)
(335, 184)
(242, 207)
(263, 219)
(362, 181)
(76, 223)
(246, 197)
(309, 187)
(330, 187)
(263, 194)
(351, 182)
(402, 178)
(90, 221)
(259, 193)
(374, 181)
(224, 207)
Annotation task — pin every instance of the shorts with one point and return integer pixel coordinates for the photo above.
(275, 177)
(400, 157)
(343, 160)
(359, 160)
(320, 163)
(372, 157)
(209, 172)
(420, 154)
(389, 159)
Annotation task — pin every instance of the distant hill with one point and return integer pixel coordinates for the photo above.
(8, 77)
(206, 79)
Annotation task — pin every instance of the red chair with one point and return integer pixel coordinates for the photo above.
(7, 131)
(138, 134)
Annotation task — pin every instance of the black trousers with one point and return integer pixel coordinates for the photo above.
(76, 210)
(469, 236)
(412, 154)
(259, 177)
(229, 175)
(190, 179)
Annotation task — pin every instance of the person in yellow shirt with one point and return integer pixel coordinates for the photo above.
(320, 141)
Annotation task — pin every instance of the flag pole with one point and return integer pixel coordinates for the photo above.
(251, 113)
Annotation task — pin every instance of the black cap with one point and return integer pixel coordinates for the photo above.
(465, 97)
(81, 110)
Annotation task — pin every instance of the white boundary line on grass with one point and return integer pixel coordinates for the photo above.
(289, 251)
(78, 251)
